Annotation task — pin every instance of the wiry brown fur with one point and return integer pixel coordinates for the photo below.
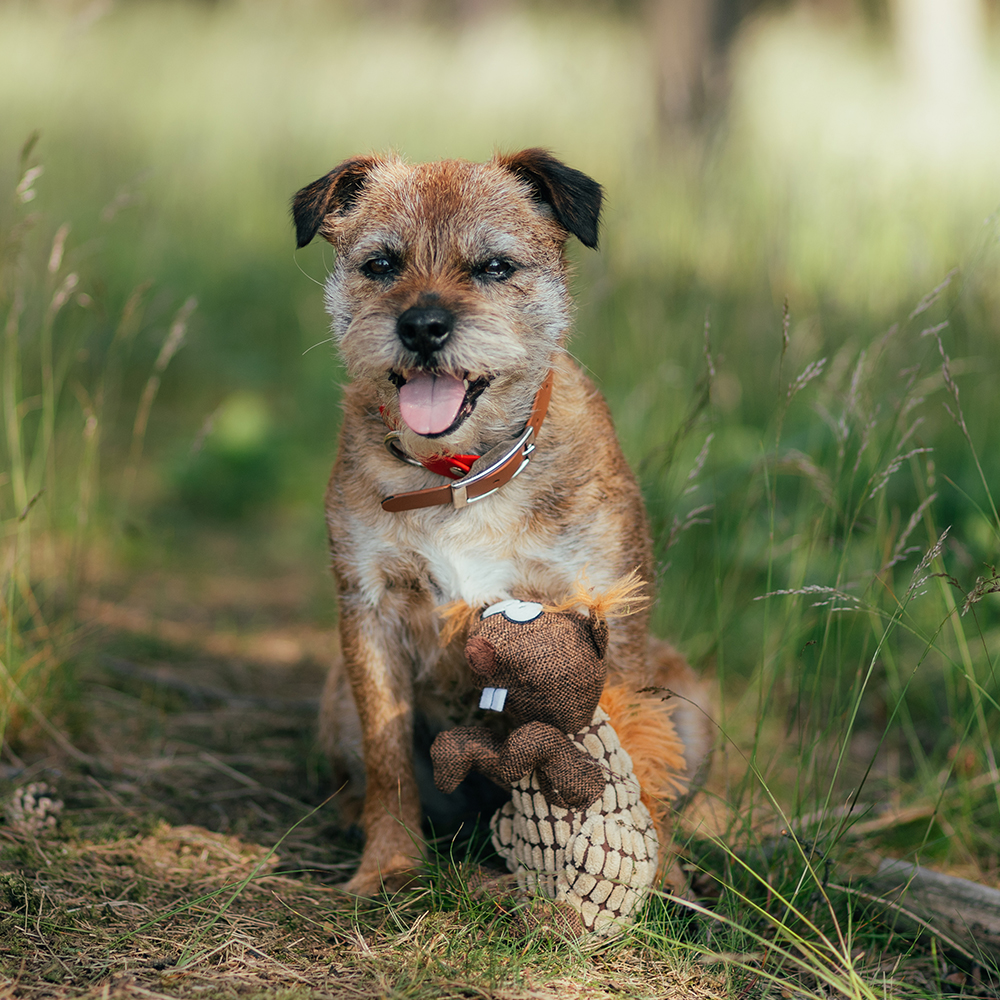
(575, 510)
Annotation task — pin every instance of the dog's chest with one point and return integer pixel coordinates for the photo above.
(472, 575)
(478, 555)
(474, 555)
(474, 558)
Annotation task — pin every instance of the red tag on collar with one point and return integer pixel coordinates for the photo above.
(449, 466)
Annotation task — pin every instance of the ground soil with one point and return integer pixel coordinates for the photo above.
(200, 845)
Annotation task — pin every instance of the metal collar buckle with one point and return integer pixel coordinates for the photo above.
(394, 449)
(460, 489)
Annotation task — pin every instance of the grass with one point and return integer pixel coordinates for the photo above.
(282, 933)
(32, 647)
(795, 325)
(55, 419)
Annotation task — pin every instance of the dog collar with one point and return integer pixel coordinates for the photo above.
(448, 465)
(497, 467)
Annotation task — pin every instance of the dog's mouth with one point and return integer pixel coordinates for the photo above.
(433, 404)
(493, 699)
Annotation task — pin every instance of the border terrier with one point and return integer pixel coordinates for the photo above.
(476, 463)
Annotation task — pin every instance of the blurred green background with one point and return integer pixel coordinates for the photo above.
(838, 156)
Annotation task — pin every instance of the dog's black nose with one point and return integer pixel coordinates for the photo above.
(425, 329)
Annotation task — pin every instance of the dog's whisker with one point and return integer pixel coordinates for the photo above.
(320, 343)
(579, 363)
(305, 273)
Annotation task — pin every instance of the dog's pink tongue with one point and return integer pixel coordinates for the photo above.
(429, 403)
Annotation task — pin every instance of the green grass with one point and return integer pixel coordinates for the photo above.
(795, 323)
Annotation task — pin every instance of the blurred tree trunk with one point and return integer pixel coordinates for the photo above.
(683, 51)
(691, 42)
(942, 46)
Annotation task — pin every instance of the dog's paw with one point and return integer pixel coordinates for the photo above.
(392, 876)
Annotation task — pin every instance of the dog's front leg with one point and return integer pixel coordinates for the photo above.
(380, 671)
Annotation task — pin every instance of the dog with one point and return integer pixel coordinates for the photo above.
(476, 461)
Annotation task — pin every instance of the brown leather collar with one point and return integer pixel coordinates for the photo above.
(496, 468)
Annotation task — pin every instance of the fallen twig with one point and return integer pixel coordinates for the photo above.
(964, 914)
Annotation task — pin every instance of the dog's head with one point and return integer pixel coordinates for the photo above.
(448, 295)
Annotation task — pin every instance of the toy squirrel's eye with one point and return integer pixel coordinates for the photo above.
(495, 609)
(523, 611)
(514, 610)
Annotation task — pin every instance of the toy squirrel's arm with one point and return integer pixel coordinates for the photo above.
(566, 775)
(456, 751)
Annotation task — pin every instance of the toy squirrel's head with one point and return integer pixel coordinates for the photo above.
(538, 664)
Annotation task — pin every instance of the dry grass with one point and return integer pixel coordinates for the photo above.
(183, 912)
(127, 897)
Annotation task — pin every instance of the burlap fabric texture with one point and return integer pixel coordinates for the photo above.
(600, 860)
(574, 830)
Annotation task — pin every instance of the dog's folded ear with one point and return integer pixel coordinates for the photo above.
(334, 192)
(574, 197)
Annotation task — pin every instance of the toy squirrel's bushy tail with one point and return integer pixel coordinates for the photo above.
(646, 730)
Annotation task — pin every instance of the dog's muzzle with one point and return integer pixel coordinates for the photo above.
(490, 472)
(425, 330)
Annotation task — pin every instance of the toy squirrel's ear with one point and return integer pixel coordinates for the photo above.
(599, 633)
(575, 198)
(334, 192)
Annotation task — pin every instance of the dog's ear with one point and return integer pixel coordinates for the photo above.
(334, 192)
(574, 197)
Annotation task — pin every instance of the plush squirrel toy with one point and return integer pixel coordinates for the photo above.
(575, 829)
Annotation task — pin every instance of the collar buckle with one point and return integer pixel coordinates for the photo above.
(389, 441)
(460, 490)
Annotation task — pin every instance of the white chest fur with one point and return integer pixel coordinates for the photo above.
(475, 574)
(487, 554)
(480, 554)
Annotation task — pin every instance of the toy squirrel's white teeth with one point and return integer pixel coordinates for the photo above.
(493, 699)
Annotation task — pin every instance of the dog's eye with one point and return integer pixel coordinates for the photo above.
(497, 268)
(378, 267)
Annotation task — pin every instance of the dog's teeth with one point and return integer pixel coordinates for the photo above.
(486, 701)
(465, 382)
